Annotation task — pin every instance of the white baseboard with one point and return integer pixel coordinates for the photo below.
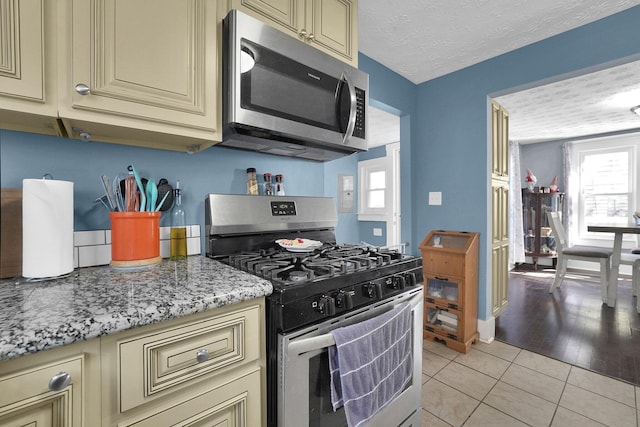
(487, 330)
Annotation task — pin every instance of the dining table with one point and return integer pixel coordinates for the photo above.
(618, 230)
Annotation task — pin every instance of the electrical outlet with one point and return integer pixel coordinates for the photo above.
(377, 231)
(435, 197)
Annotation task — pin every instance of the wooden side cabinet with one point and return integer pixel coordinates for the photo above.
(450, 266)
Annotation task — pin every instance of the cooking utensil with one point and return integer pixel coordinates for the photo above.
(165, 193)
(118, 193)
(131, 194)
(143, 198)
(152, 195)
(108, 189)
(161, 202)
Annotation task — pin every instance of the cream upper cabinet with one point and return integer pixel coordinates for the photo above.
(58, 388)
(141, 72)
(329, 25)
(27, 66)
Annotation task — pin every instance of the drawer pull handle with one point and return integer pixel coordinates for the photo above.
(82, 89)
(202, 355)
(59, 381)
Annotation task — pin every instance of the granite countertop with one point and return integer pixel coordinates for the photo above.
(96, 301)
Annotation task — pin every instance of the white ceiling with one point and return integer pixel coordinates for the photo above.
(425, 39)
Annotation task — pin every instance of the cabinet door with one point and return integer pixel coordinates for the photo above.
(26, 398)
(27, 66)
(333, 25)
(235, 404)
(329, 25)
(499, 141)
(142, 64)
(445, 291)
(500, 279)
(443, 321)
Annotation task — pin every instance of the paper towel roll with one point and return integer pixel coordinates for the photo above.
(47, 228)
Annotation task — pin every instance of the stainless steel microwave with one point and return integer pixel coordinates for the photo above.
(284, 97)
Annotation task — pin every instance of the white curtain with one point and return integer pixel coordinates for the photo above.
(516, 244)
(570, 187)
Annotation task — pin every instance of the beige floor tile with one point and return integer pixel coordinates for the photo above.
(598, 408)
(521, 405)
(546, 365)
(432, 363)
(486, 416)
(499, 349)
(484, 362)
(439, 349)
(430, 420)
(534, 382)
(565, 418)
(466, 380)
(602, 385)
(447, 403)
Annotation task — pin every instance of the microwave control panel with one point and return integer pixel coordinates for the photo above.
(358, 130)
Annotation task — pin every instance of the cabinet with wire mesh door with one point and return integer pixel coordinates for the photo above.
(539, 242)
(450, 267)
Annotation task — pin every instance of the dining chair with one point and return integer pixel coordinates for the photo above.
(577, 252)
(632, 258)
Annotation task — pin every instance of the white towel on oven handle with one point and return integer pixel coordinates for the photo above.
(371, 363)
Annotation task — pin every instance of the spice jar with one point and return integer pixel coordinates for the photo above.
(279, 185)
(252, 182)
(268, 184)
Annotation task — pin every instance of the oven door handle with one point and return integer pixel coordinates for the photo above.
(323, 341)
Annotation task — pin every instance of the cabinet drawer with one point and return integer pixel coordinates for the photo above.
(27, 400)
(443, 263)
(235, 404)
(442, 321)
(444, 291)
(155, 364)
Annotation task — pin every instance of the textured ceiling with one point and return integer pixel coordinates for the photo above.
(425, 39)
(590, 104)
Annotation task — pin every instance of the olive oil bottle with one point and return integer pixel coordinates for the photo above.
(178, 232)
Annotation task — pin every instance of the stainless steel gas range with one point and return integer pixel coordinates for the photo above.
(319, 285)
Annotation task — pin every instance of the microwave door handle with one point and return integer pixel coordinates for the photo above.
(352, 107)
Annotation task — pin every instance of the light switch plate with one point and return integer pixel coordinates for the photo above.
(435, 198)
(377, 231)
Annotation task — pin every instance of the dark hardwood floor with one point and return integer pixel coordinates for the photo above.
(572, 324)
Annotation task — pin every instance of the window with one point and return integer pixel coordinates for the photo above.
(374, 202)
(606, 182)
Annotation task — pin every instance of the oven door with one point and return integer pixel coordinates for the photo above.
(304, 397)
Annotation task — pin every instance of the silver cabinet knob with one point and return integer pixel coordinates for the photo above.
(59, 381)
(85, 136)
(82, 89)
(311, 37)
(303, 33)
(202, 355)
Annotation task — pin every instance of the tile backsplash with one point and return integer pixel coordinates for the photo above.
(91, 248)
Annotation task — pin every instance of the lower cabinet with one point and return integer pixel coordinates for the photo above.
(59, 387)
(204, 369)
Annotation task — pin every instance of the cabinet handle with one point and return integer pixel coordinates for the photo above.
(202, 355)
(444, 279)
(82, 89)
(59, 381)
(311, 37)
(303, 33)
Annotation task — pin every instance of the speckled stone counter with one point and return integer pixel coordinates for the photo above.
(97, 301)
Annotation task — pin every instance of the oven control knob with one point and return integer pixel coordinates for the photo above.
(373, 290)
(398, 282)
(345, 299)
(327, 305)
(410, 278)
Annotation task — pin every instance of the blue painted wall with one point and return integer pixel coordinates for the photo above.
(450, 150)
(545, 161)
(216, 170)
